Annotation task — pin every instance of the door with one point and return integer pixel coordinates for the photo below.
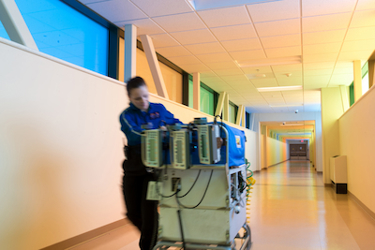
(298, 152)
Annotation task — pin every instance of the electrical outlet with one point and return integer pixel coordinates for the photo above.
(175, 180)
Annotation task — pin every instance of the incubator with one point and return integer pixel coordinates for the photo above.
(201, 185)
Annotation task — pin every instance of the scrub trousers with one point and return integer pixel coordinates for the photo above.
(141, 212)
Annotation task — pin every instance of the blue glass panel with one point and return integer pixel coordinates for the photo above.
(65, 33)
(3, 32)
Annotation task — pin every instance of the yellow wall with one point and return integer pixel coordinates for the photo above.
(357, 137)
(61, 148)
(276, 151)
(332, 109)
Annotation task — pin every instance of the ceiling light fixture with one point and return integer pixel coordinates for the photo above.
(280, 88)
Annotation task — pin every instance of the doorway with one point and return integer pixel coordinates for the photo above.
(298, 152)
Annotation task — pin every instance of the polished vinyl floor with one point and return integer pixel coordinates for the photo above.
(291, 209)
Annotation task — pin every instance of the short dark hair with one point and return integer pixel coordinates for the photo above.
(134, 83)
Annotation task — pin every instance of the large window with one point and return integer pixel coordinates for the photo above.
(208, 97)
(65, 33)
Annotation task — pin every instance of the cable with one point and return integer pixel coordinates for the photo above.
(182, 196)
(204, 194)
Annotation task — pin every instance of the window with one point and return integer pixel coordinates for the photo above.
(65, 33)
(208, 97)
(207, 101)
(247, 123)
(232, 112)
(365, 79)
(365, 84)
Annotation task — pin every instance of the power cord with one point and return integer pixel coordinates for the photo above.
(204, 194)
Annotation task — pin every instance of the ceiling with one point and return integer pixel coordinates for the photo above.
(289, 130)
(241, 45)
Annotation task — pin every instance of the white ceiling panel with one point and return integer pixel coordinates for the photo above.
(208, 73)
(248, 55)
(287, 68)
(321, 48)
(290, 81)
(278, 28)
(363, 18)
(236, 79)
(361, 33)
(117, 10)
(343, 70)
(292, 93)
(215, 57)
(184, 60)
(258, 70)
(215, 79)
(173, 51)
(272, 11)
(163, 40)
(315, 86)
(324, 36)
(287, 75)
(259, 83)
(194, 36)
(276, 94)
(322, 7)
(365, 4)
(243, 44)
(144, 26)
(341, 78)
(283, 52)
(163, 7)
(311, 80)
(195, 68)
(205, 48)
(327, 57)
(281, 41)
(322, 65)
(358, 45)
(318, 72)
(354, 55)
(180, 22)
(234, 32)
(228, 16)
(222, 65)
(326, 22)
(228, 72)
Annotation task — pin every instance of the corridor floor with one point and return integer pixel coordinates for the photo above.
(290, 209)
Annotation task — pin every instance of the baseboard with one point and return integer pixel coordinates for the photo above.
(360, 203)
(277, 164)
(87, 236)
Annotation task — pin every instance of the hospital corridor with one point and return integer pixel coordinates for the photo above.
(290, 209)
(208, 124)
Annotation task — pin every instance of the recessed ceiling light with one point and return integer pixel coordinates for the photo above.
(280, 88)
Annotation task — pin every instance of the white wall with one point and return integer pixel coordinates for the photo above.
(301, 116)
(61, 148)
(357, 136)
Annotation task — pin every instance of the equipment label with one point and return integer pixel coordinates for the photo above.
(154, 191)
(238, 141)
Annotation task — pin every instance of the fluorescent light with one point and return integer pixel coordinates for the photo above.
(281, 88)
